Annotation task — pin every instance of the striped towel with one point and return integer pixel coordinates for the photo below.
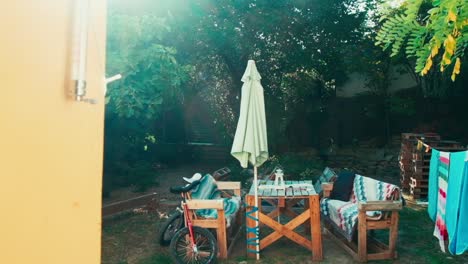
(440, 230)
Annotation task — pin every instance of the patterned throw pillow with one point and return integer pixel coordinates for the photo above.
(328, 175)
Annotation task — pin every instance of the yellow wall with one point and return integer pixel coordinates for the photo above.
(51, 147)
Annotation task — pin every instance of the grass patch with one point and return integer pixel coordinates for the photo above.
(132, 239)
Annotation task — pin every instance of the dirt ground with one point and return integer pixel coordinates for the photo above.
(132, 238)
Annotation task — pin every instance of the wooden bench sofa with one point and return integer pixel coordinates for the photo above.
(217, 204)
(372, 205)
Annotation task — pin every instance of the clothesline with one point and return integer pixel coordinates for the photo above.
(421, 144)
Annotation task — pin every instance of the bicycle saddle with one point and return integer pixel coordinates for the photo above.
(185, 188)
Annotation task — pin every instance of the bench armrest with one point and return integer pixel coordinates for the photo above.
(327, 188)
(230, 185)
(380, 206)
(194, 204)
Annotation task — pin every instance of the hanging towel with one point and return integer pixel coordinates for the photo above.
(457, 208)
(433, 184)
(440, 230)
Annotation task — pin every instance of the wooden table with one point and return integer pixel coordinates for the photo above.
(283, 202)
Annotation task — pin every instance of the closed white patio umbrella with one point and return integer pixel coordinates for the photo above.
(250, 142)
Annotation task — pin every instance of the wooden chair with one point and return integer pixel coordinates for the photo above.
(228, 190)
(389, 220)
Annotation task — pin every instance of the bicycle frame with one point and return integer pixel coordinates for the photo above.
(188, 223)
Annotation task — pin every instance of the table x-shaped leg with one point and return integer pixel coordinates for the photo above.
(285, 230)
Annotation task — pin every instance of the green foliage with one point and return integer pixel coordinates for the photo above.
(301, 48)
(402, 105)
(151, 74)
(151, 85)
(423, 33)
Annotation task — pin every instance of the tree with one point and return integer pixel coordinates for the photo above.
(151, 74)
(423, 29)
(301, 48)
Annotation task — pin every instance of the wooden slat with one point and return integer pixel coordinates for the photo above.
(281, 202)
(380, 205)
(205, 223)
(362, 236)
(228, 185)
(289, 191)
(274, 193)
(286, 230)
(327, 188)
(316, 234)
(205, 204)
(305, 192)
(393, 234)
(378, 256)
(281, 193)
(221, 235)
(382, 224)
(260, 192)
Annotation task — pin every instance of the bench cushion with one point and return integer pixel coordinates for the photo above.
(208, 190)
(343, 186)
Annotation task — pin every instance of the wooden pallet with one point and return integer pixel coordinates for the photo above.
(417, 183)
(423, 170)
(412, 136)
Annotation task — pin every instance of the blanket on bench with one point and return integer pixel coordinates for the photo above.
(208, 189)
(344, 214)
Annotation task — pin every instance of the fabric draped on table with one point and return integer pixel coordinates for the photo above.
(448, 181)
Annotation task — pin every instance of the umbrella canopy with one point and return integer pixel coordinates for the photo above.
(250, 142)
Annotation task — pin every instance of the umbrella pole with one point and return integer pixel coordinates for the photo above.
(256, 213)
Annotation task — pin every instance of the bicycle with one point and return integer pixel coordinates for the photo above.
(173, 224)
(191, 244)
(176, 220)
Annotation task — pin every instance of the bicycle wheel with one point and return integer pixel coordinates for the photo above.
(173, 224)
(182, 252)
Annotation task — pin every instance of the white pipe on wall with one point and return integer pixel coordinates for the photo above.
(80, 46)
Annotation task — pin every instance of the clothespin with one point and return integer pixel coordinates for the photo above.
(421, 145)
(427, 148)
